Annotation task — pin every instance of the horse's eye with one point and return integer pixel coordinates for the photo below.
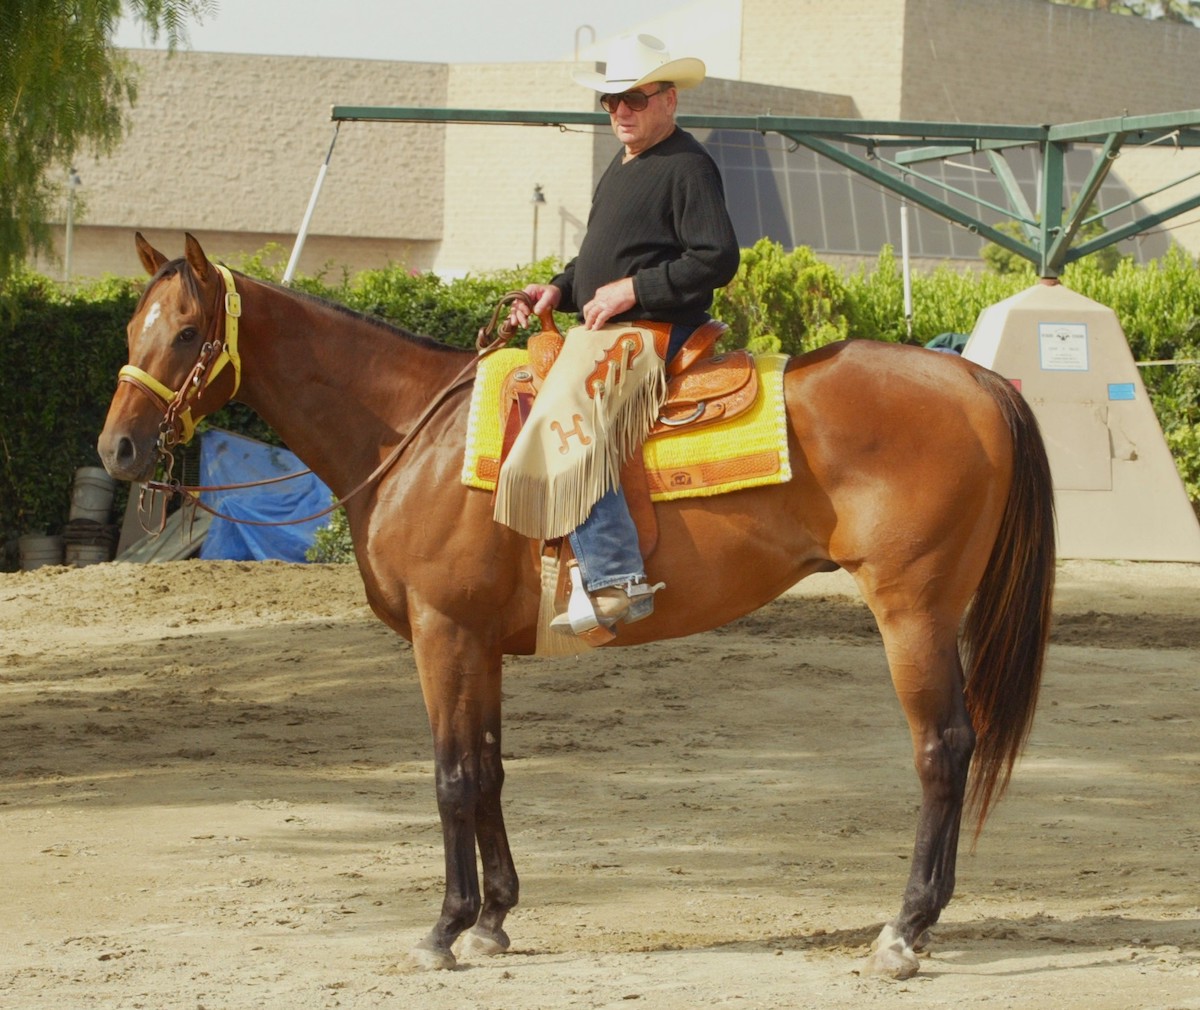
(188, 334)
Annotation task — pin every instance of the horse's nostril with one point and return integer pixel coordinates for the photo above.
(125, 450)
(120, 456)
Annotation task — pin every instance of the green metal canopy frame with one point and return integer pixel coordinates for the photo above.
(888, 153)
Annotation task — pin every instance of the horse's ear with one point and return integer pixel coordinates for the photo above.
(195, 257)
(151, 258)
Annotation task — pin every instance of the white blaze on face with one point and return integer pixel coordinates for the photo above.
(154, 314)
(152, 317)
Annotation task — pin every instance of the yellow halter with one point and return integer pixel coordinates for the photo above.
(176, 403)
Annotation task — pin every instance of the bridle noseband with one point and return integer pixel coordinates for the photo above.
(178, 425)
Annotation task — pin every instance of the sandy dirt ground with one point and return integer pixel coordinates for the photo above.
(216, 792)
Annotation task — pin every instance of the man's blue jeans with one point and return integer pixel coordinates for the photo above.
(606, 542)
(606, 545)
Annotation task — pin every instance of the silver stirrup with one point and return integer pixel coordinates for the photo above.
(581, 616)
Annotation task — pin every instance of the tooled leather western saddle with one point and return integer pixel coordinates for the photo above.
(702, 389)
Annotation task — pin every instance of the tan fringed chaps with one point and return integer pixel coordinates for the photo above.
(592, 413)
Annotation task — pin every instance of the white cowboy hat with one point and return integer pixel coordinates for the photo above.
(634, 60)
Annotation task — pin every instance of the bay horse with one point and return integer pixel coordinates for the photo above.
(921, 474)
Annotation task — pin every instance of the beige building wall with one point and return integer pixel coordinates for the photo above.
(851, 47)
(229, 146)
(101, 250)
(1030, 61)
(491, 170)
(1149, 170)
(991, 61)
(985, 61)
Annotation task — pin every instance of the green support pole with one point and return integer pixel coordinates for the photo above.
(1053, 170)
(1057, 256)
(1022, 212)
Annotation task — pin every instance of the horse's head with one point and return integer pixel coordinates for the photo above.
(182, 336)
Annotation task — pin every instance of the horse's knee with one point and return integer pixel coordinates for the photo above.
(944, 760)
(457, 789)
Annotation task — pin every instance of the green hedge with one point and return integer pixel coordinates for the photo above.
(59, 356)
(60, 351)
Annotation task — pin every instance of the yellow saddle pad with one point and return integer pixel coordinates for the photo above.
(748, 451)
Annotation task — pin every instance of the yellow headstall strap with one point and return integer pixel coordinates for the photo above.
(229, 353)
(152, 385)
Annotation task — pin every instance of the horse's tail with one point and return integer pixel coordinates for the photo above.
(1004, 638)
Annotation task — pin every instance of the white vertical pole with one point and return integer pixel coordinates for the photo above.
(73, 183)
(294, 259)
(70, 243)
(906, 266)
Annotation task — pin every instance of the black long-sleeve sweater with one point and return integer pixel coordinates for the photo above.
(659, 218)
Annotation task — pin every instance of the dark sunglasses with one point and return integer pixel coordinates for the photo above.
(636, 101)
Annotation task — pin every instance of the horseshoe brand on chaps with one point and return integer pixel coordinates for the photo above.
(921, 474)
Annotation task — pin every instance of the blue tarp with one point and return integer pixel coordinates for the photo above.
(949, 342)
(226, 458)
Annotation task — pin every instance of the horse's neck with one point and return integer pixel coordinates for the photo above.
(339, 389)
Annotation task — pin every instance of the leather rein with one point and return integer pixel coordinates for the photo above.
(178, 424)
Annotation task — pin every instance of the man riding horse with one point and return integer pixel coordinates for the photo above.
(659, 242)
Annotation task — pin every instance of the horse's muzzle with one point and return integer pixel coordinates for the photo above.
(126, 457)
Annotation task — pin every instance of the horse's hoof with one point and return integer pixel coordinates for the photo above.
(483, 943)
(892, 957)
(428, 955)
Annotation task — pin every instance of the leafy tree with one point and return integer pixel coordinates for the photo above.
(64, 87)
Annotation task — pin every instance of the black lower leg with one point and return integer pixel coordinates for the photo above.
(942, 767)
(500, 884)
(457, 795)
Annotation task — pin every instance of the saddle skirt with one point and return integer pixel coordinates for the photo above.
(722, 428)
